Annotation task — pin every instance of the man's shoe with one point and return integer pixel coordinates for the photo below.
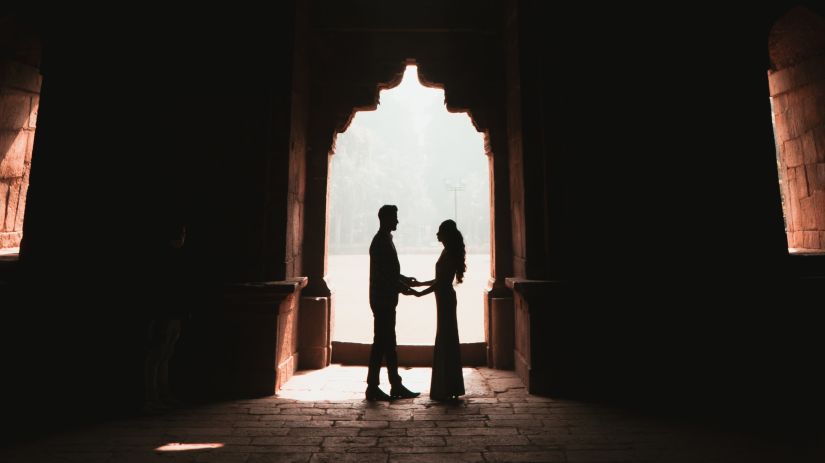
(375, 393)
(401, 392)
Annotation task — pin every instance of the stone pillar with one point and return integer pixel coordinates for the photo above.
(798, 94)
(260, 336)
(797, 88)
(499, 329)
(315, 219)
(317, 296)
(498, 301)
(315, 332)
(19, 100)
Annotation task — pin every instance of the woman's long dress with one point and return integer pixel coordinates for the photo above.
(447, 380)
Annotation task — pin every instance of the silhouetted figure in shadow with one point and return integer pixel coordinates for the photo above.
(165, 326)
(386, 282)
(447, 381)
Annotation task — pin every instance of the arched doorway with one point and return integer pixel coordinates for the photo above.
(413, 153)
(331, 119)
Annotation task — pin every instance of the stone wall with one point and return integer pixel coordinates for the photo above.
(19, 100)
(797, 86)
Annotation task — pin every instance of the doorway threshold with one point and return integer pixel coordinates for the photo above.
(353, 353)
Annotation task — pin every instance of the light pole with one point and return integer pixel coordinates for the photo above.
(455, 187)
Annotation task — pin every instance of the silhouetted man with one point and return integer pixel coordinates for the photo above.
(386, 282)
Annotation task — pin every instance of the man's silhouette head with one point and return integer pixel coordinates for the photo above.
(388, 216)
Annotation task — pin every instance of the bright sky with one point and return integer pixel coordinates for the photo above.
(409, 152)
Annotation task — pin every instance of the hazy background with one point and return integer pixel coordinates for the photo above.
(413, 153)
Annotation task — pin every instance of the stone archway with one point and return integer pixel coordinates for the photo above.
(410, 152)
(331, 116)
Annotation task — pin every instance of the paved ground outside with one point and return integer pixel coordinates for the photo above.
(349, 279)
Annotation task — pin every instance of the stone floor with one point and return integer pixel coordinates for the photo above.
(320, 416)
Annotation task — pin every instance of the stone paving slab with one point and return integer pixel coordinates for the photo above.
(311, 421)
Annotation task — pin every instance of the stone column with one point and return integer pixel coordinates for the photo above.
(498, 301)
(316, 301)
(797, 88)
(19, 99)
(315, 331)
(798, 94)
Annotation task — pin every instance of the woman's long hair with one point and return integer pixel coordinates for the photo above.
(454, 244)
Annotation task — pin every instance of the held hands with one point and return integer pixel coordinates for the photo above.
(406, 283)
(407, 291)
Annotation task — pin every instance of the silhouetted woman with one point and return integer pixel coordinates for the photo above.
(447, 382)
